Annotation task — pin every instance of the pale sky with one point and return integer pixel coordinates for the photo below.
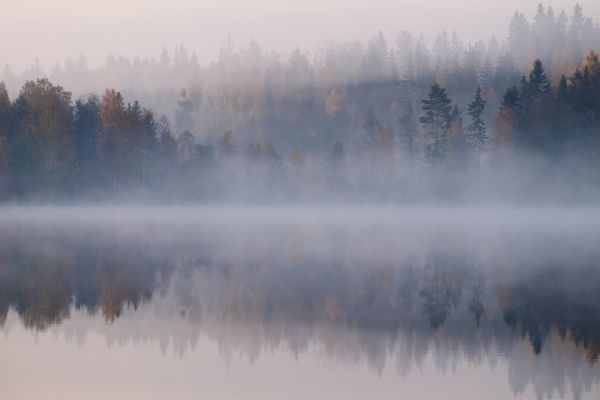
(55, 29)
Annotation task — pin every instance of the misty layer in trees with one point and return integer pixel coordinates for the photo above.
(314, 98)
(543, 146)
(357, 125)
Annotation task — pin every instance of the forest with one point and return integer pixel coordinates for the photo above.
(515, 120)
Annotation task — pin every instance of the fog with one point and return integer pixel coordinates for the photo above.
(401, 296)
(535, 235)
(142, 28)
(383, 120)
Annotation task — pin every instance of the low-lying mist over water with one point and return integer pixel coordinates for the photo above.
(379, 298)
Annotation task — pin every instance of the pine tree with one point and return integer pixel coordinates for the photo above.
(437, 120)
(562, 85)
(538, 81)
(477, 130)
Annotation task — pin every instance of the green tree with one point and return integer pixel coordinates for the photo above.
(537, 83)
(437, 121)
(477, 130)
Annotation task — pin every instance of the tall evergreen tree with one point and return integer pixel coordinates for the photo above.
(477, 130)
(538, 82)
(437, 120)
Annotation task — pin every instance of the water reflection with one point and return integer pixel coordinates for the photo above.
(390, 295)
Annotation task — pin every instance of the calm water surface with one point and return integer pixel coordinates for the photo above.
(259, 303)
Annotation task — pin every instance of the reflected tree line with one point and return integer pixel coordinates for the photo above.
(148, 288)
(381, 122)
(43, 283)
(47, 276)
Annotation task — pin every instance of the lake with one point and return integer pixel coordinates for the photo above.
(297, 303)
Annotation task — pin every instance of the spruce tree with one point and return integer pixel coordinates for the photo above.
(538, 81)
(477, 130)
(437, 120)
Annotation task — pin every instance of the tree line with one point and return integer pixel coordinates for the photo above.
(257, 94)
(102, 146)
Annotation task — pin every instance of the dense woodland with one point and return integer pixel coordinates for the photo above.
(518, 120)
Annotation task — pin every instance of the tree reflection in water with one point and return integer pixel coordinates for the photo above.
(263, 292)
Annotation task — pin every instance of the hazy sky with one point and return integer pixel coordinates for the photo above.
(53, 30)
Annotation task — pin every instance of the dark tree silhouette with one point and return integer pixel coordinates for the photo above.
(436, 121)
(477, 130)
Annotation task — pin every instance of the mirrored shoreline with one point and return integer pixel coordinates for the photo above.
(420, 294)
